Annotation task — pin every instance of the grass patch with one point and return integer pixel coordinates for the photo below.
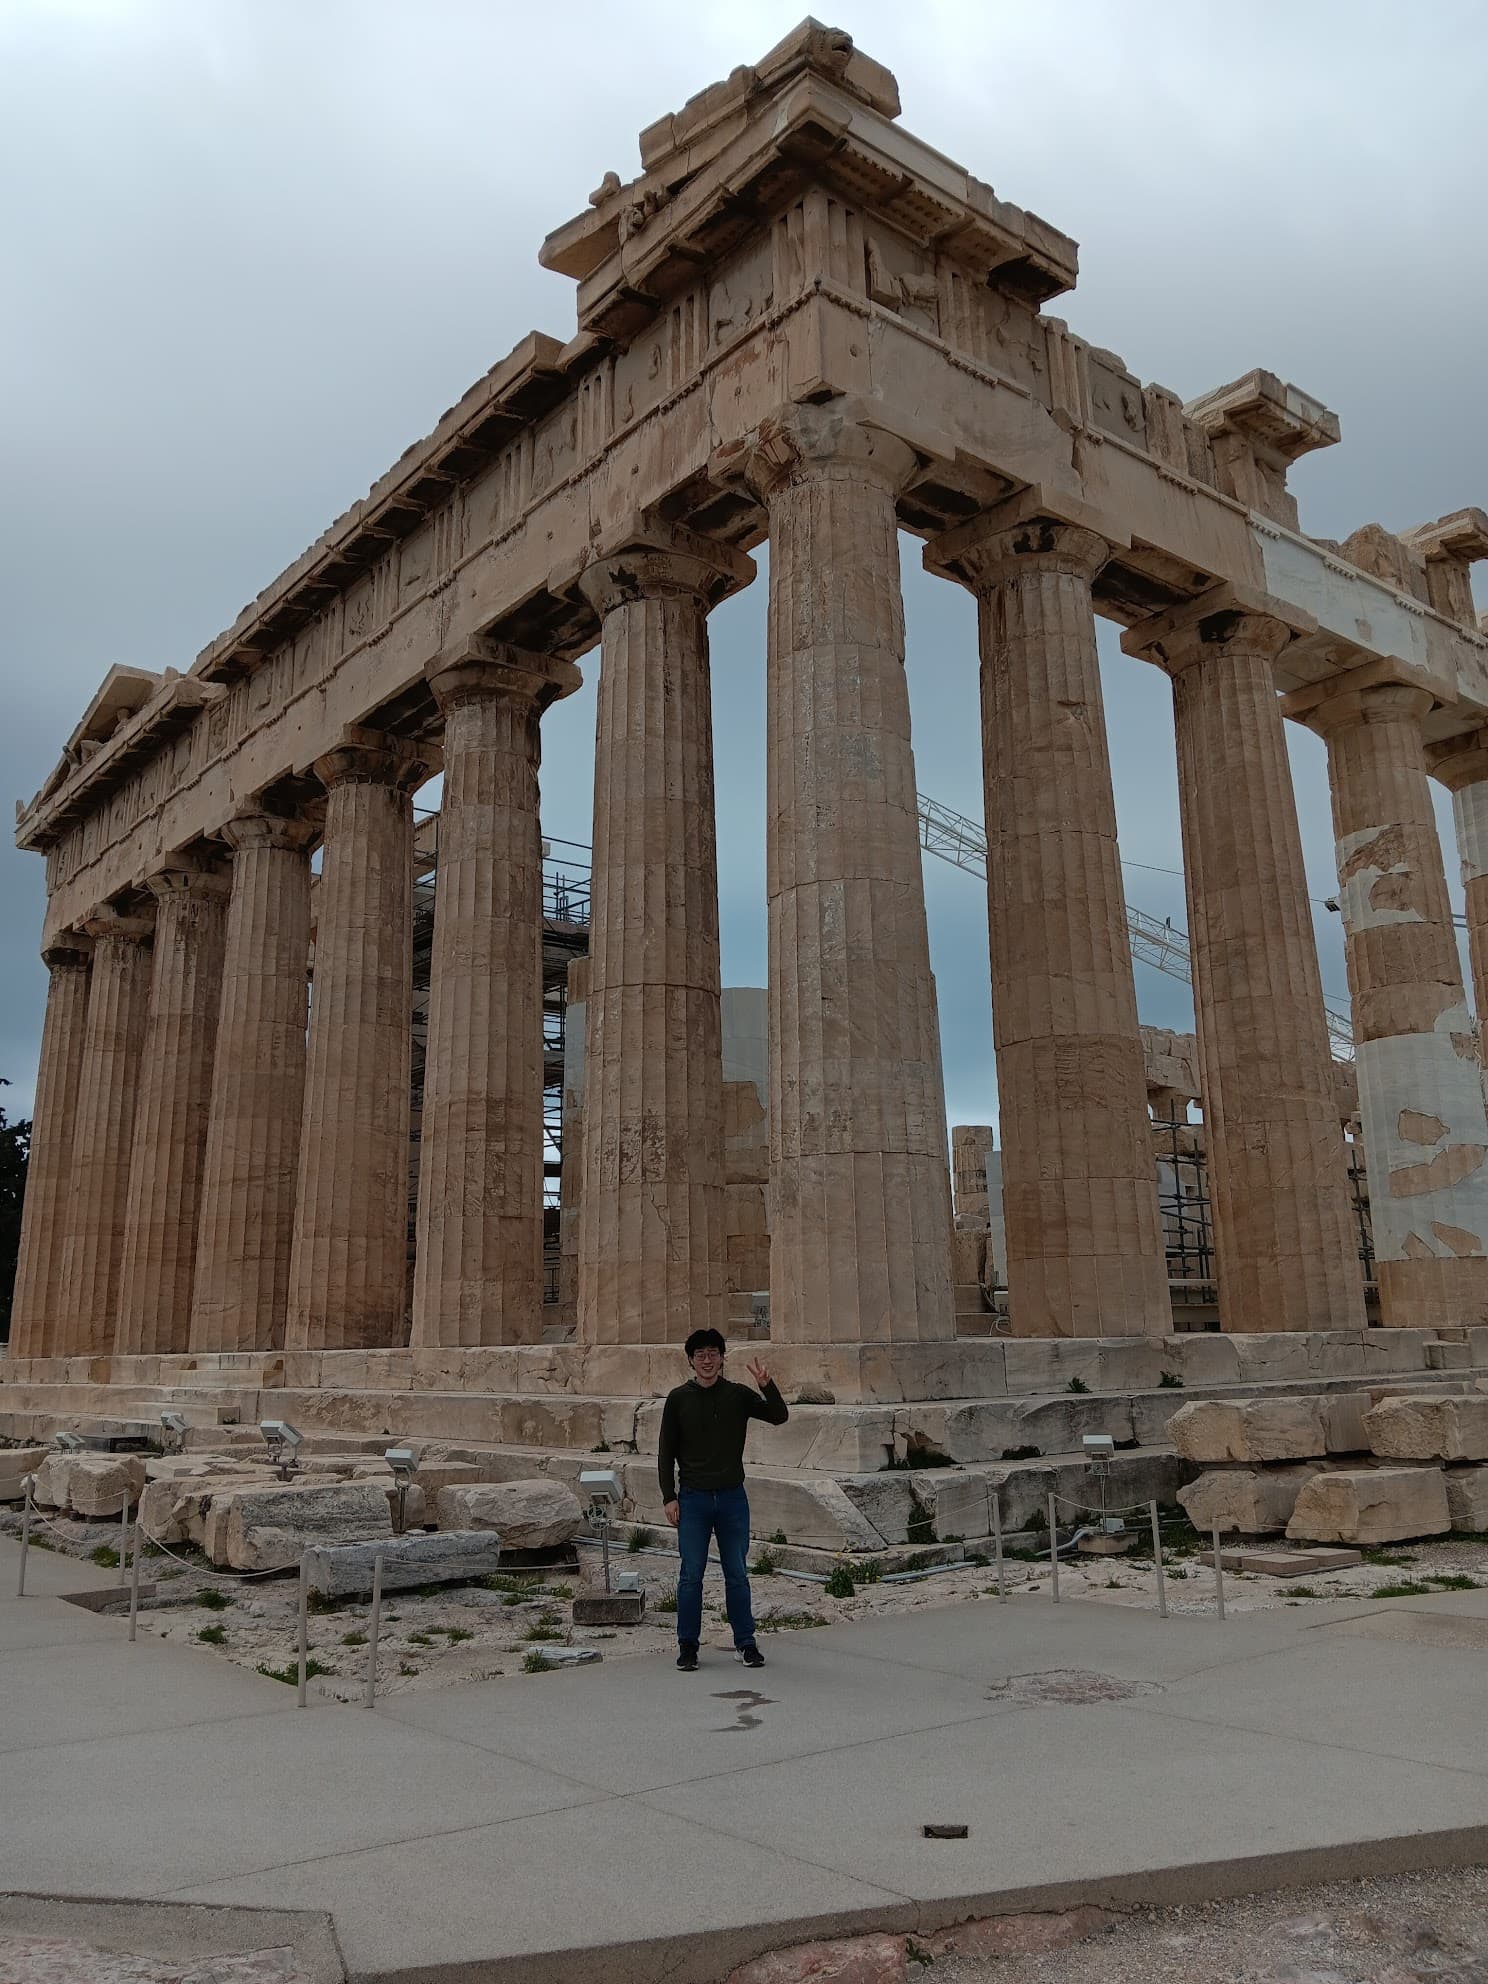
(536, 1663)
(763, 1565)
(1402, 1588)
(454, 1634)
(353, 1639)
(870, 1571)
(1299, 1591)
(550, 1633)
(667, 1601)
(790, 1622)
(1390, 1560)
(640, 1539)
(1169, 1381)
(419, 1639)
(212, 1600)
(105, 1556)
(839, 1582)
(1452, 1581)
(290, 1672)
(1077, 1385)
(212, 1635)
(780, 1536)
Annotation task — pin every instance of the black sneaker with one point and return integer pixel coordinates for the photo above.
(687, 1657)
(750, 1655)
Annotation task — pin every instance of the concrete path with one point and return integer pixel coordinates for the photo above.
(672, 1826)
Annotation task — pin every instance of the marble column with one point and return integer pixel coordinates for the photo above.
(39, 1308)
(348, 1276)
(478, 1259)
(170, 1121)
(1079, 1183)
(1285, 1242)
(258, 1087)
(103, 1129)
(1420, 1085)
(860, 1201)
(651, 1223)
(1461, 763)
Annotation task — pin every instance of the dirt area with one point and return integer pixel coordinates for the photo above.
(507, 1624)
(1410, 1929)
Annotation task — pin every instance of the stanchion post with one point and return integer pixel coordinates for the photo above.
(374, 1626)
(997, 1549)
(1157, 1558)
(1218, 1575)
(304, 1626)
(28, 1484)
(1054, 1547)
(134, 1579)
(124, 1539)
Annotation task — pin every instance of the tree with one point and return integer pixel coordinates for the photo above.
(15, 1153)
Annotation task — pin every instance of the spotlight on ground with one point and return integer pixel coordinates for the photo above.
(283, 1442)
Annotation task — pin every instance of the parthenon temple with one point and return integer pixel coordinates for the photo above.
(799, 325)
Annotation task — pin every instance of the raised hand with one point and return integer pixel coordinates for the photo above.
(758, 1372)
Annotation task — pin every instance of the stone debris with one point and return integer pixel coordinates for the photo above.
(448, 1557)
(15, 1464)
(1263, 1429)
(530, 1515)
(1429, 1428)
(90, 1484)
(1251, 1500)
(1376, 1505)
(270, 1528)
(1467, 1499)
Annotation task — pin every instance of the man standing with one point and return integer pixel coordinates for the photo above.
(702, 1433)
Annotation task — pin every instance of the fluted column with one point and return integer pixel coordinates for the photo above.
(860, 1203)
(1285, 1244)
(478, 1261)
(258, 1087)
(1079, 1183)
(1461, 763)
(170, 1121)
(651, 1224)
(1420, 1085)
(348, 1276)
(40, 1308)
(103, 1128)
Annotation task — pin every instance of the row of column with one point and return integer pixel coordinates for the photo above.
(201, 1179)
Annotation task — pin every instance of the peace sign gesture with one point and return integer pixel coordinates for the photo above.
(759, 1374)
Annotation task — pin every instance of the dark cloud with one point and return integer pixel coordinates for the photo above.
(255, 247)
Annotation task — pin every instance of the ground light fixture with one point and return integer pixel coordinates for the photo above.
(283, 1442)
(403, 1461)
(173, 1426)
(602, 1485)
(69, 1443)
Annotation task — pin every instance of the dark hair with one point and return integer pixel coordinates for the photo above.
(705, 1340)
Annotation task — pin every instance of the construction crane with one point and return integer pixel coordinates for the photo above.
(1155, 941)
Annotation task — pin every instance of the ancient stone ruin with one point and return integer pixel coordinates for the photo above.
(801, 325)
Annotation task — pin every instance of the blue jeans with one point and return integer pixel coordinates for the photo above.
(724, 1514)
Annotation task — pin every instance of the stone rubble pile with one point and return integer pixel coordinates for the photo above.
(1363, 1467)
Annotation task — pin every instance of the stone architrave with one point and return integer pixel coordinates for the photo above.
(478, 1259)
(860, 1202)
(103, 1129)
(1420, 1084)
(348, 1276)
(652, 1218)
(39, 1310)
(170, 1123)
(1461, 763)
(1084, 1236)
(258, 1088)
(1285, 1248)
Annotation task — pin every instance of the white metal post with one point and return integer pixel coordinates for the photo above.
(1218, 1575)
(997, 1548)
(124, 1539)
(28, 1484)
(1054, 1547)
(1157, 1558)
(374, 1627)
(134, 1581)
(304, 1625)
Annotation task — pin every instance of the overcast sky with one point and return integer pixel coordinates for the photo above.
(253, 248)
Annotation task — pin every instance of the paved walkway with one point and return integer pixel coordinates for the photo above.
(673, 1825)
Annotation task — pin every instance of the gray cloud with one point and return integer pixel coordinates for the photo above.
(255, 247)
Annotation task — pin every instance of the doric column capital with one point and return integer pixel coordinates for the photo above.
(1377, 692)
(485, 666)
(1221, 622)
(376, 757)
(1459, 762)
(1027, 534)
(189, 875)
(838, 438)
(665, 562)
(264, 829)
(70, 952)
(107, 924)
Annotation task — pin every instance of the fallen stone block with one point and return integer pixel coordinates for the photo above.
(530, 1515)
(15, 1464)
(451, 1556)
(1377, 1505)
(270, 1529)
(1211, 1430)
(609, 1608)
(1434, 1428)
(1253, 1501)
(1467, 1498)
(1284, 1563)
(1344, 1431)
(90, 1485)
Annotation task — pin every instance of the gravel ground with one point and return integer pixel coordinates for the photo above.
(1410, 1929)
(477, 1632)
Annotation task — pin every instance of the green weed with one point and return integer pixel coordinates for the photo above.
(290, 1672)
(212, 1635)
(839, 1582)
(213, 1600)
